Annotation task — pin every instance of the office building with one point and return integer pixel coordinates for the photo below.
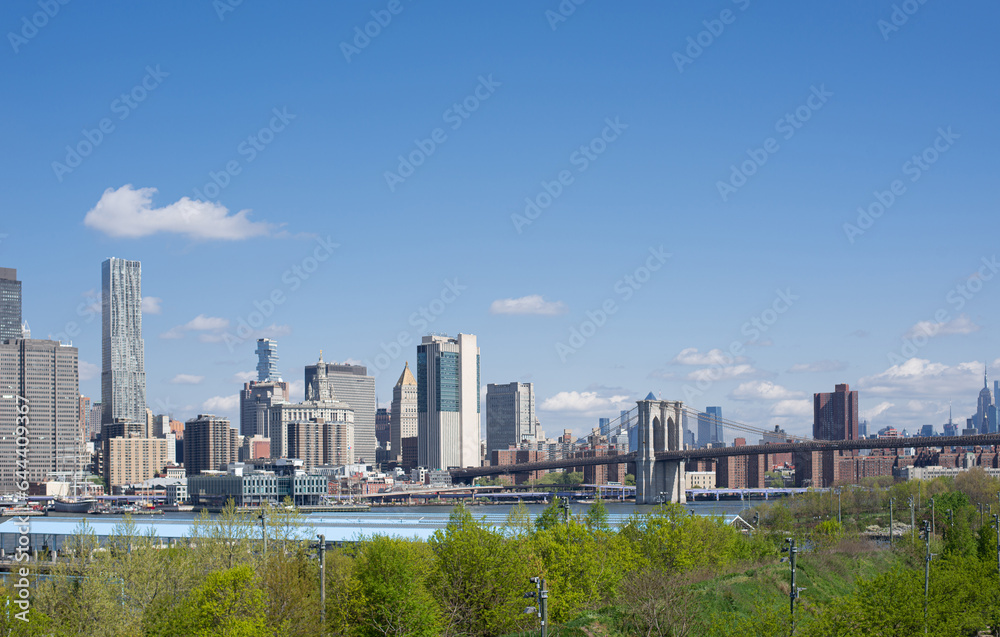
(10, 304)
(448, 402)
(282, 414)
(123, 370)
(835, 415)
(510, 416)
(709, 427)
(267, 360)
(382, 421)
(43, 376)
(349, 384)
(603, 424)
(256, 399)
(403, 413)
(209, 444)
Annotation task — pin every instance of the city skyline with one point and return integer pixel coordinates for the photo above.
(805, 181)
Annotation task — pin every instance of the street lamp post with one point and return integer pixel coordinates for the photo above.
(933, 515)
(793, 594)
(839, 508)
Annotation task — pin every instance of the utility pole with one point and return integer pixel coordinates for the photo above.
(839, 520)
(927, 571)
(891, 500)
(933, 526)
(996, 523)
(263, 529)
(321, 545)
(793, 594)
(913, 522)
(542, 610)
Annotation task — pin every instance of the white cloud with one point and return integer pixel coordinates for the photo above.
(818, 366)
(532, 304)
(723, 373)
(244, 377)
(221, 405)
(199, 323)
(961, 324)
(151, 305)
(874, 412)
(762, 390)
(186, 379)
(798, 408)
(691, 356)
(128, 212)
(297, 390)
(271, 331)
(921, 390)
(581, 401)
(87, 370)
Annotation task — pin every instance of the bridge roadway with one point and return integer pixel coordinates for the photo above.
(746, 450)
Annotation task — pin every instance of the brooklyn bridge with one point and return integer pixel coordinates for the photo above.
(661, 457)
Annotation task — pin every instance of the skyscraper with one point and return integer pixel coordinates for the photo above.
(44, 377)
(403, 412)
(709, 427)
(448, 402)
(510, 415)
(352, 385)
(986, 418)
(267, 360)
(835, 415)
(10, 304)
(123, 371)
(256, 399)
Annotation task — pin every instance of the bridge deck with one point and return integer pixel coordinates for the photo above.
(981, 440)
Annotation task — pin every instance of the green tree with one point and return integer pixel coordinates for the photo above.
(597, 515)
(551, 516)
(229, 603)
(481, 577)
(392, 576)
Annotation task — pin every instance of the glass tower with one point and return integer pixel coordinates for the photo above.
(10, 304)
(123, 370)
(267, 360)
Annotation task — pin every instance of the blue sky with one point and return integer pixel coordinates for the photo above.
(736, 137)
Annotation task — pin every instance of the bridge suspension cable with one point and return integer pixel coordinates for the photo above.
(739, 426)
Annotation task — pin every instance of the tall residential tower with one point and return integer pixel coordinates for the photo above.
(123, 370)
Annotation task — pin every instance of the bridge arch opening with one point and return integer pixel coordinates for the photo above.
(658, 435)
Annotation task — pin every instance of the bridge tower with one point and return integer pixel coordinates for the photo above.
(660, 429)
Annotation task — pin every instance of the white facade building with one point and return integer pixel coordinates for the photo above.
(448, 402)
